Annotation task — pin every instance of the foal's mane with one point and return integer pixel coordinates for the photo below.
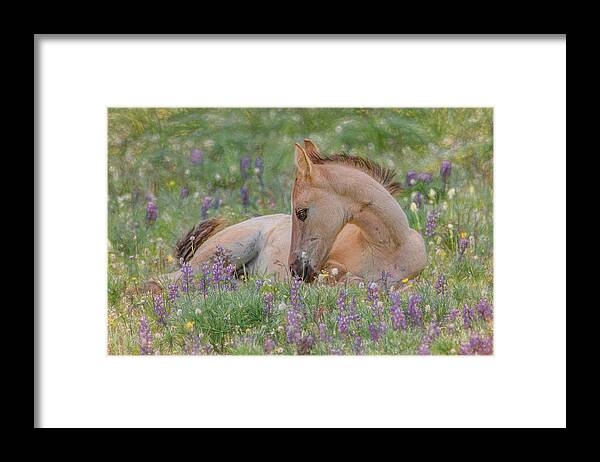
(385, 176)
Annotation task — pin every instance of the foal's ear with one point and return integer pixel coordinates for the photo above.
(311, 149)
(303, 162)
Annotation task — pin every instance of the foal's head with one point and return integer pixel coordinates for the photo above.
(322, 203)
(317, 215)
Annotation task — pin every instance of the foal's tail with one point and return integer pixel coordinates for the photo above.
(195, 237)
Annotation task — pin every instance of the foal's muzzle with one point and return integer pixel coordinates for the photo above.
(302, 270)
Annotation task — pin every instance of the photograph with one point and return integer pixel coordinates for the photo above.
(300, 231)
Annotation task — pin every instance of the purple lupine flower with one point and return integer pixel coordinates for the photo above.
(424, 347)
(205, 279)
(398, 318)
(305, 344)
(191, 345)
(445, 170)
(292, 328)
(222, 272)
(145, 337)
(373, 293)
(452, 315)
(343, 319)
(159, 309)
(468, 315)
(432, 219)
(440, 284)
(374, 332)
(462, 246)
(187, 277)
(425, 177)
(173, 292)
(151, 212)
(477, 345)
(205, 206)
(434, 330)
(197, 156)
(185, 192)
(411, 178)
(485, 310)
(323, 335)
(268, 302)
(269, 345)
(245, 166)
(357, 345)
(245, 195)
(418, 199)
(414, 312)
(259, 283)
(295, 296)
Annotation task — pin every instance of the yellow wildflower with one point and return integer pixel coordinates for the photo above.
(405, 280)
(189, 325)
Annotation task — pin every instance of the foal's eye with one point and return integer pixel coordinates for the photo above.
(301, 214)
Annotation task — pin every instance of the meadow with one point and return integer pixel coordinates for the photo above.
(168, 169)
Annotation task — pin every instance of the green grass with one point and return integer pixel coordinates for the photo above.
(149, 152)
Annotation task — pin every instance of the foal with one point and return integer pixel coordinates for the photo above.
(344, 217)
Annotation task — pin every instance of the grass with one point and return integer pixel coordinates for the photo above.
(149, 156)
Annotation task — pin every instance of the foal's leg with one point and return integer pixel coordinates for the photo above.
(241, 243)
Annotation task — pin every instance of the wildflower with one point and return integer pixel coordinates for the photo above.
(189, 325)
(411, 178)
(398, 319)
(259, 283)
(191, 345)
(334, 272)
(197, 156)
(292, 330)
(414, 312)
(452, 315)
(425, 177)
(468, 316)
(187, 275)
(440, 284)
(268, 301)
(151, 212)
(484, 309)
(424, 347)
(417, 198)
(323, 336)
(343, 319)
(244, 166)
(445, 170)
(477, 345)
(305, 344)
(413, 207)
(269, 345)
(451, 193)
(295, 296)
(432, 219)
(245, 195)
(159, 309)
(374, 332)
(373, 293)
(145, 335)
(432, 193)
(205, 206)
(357, 345)
(185, 192)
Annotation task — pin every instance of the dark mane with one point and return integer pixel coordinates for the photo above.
(385, 176)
